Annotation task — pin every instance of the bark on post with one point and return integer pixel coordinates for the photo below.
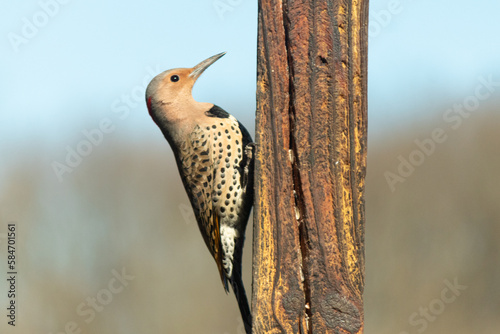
(308, 262)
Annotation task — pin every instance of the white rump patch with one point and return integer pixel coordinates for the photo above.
(228, 236)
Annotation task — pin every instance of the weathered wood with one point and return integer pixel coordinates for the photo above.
(308, 265)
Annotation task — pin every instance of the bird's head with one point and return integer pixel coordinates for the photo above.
(168, 95)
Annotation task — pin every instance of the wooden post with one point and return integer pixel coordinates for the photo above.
(308, 261)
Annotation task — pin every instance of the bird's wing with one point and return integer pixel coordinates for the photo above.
(198, 174)
(228, 152)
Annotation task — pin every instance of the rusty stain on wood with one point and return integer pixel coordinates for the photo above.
(308, 267)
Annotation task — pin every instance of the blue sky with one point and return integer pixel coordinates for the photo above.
(65, 77)
(430, 54)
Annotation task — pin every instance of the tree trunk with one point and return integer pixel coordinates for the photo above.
(308, 261)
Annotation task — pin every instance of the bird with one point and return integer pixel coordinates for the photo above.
(214, 153)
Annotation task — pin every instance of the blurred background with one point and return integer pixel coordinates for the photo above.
(106, 241)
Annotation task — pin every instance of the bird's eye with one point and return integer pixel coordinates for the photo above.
(174, 78)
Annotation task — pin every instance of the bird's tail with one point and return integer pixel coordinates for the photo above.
(241, 297)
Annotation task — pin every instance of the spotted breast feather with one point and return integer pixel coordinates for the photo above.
(213, 170)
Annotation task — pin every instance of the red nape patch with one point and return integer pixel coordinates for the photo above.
(150, 106)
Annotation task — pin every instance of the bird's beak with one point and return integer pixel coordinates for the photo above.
(198, 69)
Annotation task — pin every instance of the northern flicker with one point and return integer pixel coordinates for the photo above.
(214, 155)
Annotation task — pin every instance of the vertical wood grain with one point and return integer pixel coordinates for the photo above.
(311, 130)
